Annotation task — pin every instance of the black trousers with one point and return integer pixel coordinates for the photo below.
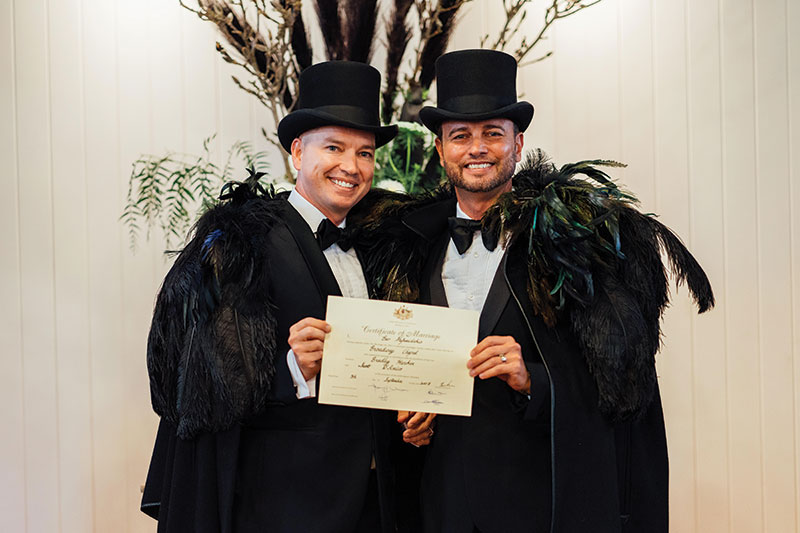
(370, 520)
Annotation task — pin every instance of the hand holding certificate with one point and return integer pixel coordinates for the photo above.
(391, 355)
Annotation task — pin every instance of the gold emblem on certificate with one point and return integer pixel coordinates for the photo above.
(408, 357)
(403, 313)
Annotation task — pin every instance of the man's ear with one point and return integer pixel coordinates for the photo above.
(297, 153)
(519, 141)
(438, 143)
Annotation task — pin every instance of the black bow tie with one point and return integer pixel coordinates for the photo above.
(463, 229)
(329, 233)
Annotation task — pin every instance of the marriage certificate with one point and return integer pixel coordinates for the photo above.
(398, 356)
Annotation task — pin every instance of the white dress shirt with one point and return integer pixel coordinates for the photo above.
(468, 277)
(348, 273)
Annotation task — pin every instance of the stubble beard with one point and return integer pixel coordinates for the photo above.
(505, 171)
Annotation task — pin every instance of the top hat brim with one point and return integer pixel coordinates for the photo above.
(298, 122)
(520, 113)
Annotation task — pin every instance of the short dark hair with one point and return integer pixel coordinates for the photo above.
(439, 129)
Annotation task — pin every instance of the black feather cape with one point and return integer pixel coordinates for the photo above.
(212, 338)
(592, 259)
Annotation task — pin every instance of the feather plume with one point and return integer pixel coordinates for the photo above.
(358, 29)
(437, 43)
(211, 346)
(300, 45)
(331, 26)
(394, 256)
(398, 35)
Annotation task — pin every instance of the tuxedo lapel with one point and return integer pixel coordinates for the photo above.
(430, 223)
(432, 275)
(314, 258)
(495, 302)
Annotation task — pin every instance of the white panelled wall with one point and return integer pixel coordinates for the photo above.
(699, 97)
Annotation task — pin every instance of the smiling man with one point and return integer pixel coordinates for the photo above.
(236, 341)
(566, 432)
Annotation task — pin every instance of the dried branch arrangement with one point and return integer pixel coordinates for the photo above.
(516, 14)
(269, 41)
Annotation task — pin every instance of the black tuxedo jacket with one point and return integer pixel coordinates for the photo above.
(551, 463)
(295, 466)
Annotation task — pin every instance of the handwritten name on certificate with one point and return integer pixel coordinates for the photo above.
(391, 355)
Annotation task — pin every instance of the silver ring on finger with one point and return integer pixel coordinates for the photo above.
(503, 357)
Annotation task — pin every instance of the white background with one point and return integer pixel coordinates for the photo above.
(699, 97)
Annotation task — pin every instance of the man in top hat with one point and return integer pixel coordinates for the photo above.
(236, 341)
(566, 432)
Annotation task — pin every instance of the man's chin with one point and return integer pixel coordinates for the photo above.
(484, 184)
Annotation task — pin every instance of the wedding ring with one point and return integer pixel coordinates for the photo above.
(431, 432)
(503, 357)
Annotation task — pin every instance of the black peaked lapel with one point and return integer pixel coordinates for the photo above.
(496, 300)
(432, 274)
(430, 223)
(314, 258)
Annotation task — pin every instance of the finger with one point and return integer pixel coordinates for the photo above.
(485, 343)
(492, 340)
(304, 348)
(419, 441)
(487, 354)
(491, 363)
(506, 354)
(501, 370)
(516, 372)
(310, 322)
(310, 333)
(403, 416)
(416, 419)
(427, 424)
(512, 363)
(308, 346)
(309, 358)
(414, 432)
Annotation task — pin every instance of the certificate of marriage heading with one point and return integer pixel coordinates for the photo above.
(398, 356)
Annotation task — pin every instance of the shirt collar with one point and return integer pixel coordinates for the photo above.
(460, 213)
(308, 211)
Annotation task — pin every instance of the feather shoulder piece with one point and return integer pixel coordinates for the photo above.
(595, 260)
(393, 256)
(212, 338)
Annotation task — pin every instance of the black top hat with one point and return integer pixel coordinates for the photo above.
(337, 93)
(476, 85)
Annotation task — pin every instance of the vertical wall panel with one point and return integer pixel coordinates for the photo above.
(774, 262)
(587, 85)
(234, 110)
(793, 63)
(636, 120)
(199, 59)
(36, 261)
(71, 275)
(139, 276)
(705, 164)
(105, 235)
(536, 84)
(740, 291)
(672, 202)
(167, 99)
(12, 445)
